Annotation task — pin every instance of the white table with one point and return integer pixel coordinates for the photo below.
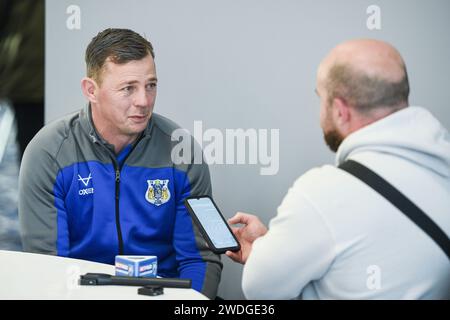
(37, 276)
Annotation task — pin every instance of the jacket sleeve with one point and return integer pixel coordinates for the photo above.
(42, 215)
(195, 260)
(298, 248)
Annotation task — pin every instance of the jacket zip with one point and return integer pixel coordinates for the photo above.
(117, 170)
(119, 230)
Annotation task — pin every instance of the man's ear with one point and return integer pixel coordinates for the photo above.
(89, 88)
(342, 113)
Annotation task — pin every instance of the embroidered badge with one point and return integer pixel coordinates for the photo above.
(157, 192)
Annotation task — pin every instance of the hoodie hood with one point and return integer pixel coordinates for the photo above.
(412, 133)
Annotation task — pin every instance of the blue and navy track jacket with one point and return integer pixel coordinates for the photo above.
(78, 199)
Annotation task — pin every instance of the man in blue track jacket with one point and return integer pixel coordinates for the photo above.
(102, 182)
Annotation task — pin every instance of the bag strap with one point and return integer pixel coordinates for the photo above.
(394, 196)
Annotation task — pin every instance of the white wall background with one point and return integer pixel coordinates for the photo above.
(250, 64)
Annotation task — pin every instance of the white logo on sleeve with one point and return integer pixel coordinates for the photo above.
(85, 181)
(374, 277)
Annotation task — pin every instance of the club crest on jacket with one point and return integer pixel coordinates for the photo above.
(157, 192)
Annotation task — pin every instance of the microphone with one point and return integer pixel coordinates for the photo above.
(102, 279)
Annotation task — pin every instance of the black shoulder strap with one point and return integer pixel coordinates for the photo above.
(402, 203)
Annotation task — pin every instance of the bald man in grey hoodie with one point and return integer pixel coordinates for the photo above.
(334, 237)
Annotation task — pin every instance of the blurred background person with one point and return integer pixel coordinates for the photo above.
(21, 101)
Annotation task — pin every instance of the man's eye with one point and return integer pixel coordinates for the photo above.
(128, 89)
(151, 86)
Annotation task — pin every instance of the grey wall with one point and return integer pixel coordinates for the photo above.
(250, 64)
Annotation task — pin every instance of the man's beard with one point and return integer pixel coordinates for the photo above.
(333, 139)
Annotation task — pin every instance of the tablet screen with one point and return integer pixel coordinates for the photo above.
(212, 222)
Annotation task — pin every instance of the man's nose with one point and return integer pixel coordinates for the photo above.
(141, 98)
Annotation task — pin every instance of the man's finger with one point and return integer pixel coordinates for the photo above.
(233, 256)
(234, 230)
(235, 219)
(240, 217)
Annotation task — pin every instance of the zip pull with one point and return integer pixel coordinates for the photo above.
(117, 176)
